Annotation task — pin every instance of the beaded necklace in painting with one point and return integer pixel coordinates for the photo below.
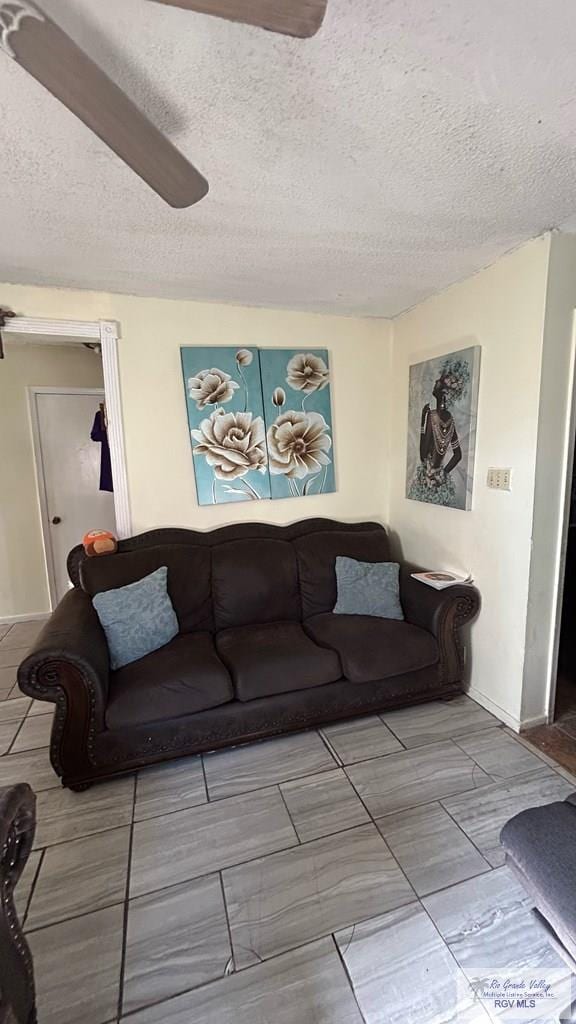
(441, 432)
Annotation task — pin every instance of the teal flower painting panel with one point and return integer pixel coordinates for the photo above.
(298, 414)
(226, 420)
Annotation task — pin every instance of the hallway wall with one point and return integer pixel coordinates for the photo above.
(23, 580)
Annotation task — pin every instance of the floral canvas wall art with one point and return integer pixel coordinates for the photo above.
(298, 414)
(225, 415)
(442, 412)
(260, 422)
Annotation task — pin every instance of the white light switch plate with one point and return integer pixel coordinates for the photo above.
(499, 479)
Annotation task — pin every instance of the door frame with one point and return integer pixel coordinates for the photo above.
(73, 332)
(33, 392)
(558, 567)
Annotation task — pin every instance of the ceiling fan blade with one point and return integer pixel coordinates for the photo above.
(300, 18)
(47, 53)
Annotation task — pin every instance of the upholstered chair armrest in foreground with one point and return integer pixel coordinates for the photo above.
(17, 827)
(69, 665)
(442, 613)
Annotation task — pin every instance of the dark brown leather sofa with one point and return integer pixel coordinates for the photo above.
(259, 651)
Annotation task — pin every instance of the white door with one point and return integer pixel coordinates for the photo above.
(70, 471)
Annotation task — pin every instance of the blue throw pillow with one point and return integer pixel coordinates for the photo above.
(137, 619)
(368, 588)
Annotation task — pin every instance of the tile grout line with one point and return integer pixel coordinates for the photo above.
(156, 1003)
(465, 834)
(243, 863)
(330, 748)
(33, 888)
(496, 723)
(271, 785)
(82, 835)
(438, 799)
(206, 790)
(177, 810)
(244, 970)
(231, 962)
(409, 807)
(396, 737)
(10, 748)
(533, 749)
(75, 916)
(373, 822)
(283, 798)
(502, 778)
(340, 956)
(448, 949)
(413, 898)
(127, 902)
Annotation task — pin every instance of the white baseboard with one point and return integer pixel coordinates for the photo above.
(9, 620)
(517, 724)
(531, 723)
(494, 708)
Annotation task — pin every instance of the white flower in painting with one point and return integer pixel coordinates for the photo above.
(244, 357)
(298, 443)
(307, 372)
(232, 443)
(211, 387)
(278, 397)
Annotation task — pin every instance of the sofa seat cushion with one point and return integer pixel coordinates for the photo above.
(181, 678)
(275, 657)
(372, 648)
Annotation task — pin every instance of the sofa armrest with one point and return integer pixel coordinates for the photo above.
(442, 613)
(17, 828)
(69, 665)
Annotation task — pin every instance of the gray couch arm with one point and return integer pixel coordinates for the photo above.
(442, 613)
(69, 665)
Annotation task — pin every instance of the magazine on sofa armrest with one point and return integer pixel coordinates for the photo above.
(441, 580)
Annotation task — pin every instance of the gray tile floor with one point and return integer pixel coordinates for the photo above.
(348, 875)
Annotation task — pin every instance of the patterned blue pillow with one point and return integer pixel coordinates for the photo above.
(368, 588)
(137, 619)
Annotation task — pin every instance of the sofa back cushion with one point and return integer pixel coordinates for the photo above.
(254, 581)
(188, 578)
(317, 554)
(245, 574)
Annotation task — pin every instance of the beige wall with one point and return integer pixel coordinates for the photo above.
(159, 460)
(160, 470)
(23, 585)
(502, 309)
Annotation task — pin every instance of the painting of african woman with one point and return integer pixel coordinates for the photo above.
(442, 411)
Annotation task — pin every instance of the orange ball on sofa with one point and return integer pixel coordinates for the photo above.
(99, 542)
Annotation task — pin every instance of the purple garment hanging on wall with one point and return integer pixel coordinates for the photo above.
(99, 433)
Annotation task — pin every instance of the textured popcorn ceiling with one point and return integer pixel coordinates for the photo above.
(407, 145)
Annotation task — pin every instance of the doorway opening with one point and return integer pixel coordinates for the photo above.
(556, 734)
(565, 699)
(73, 472)
(60, 477)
